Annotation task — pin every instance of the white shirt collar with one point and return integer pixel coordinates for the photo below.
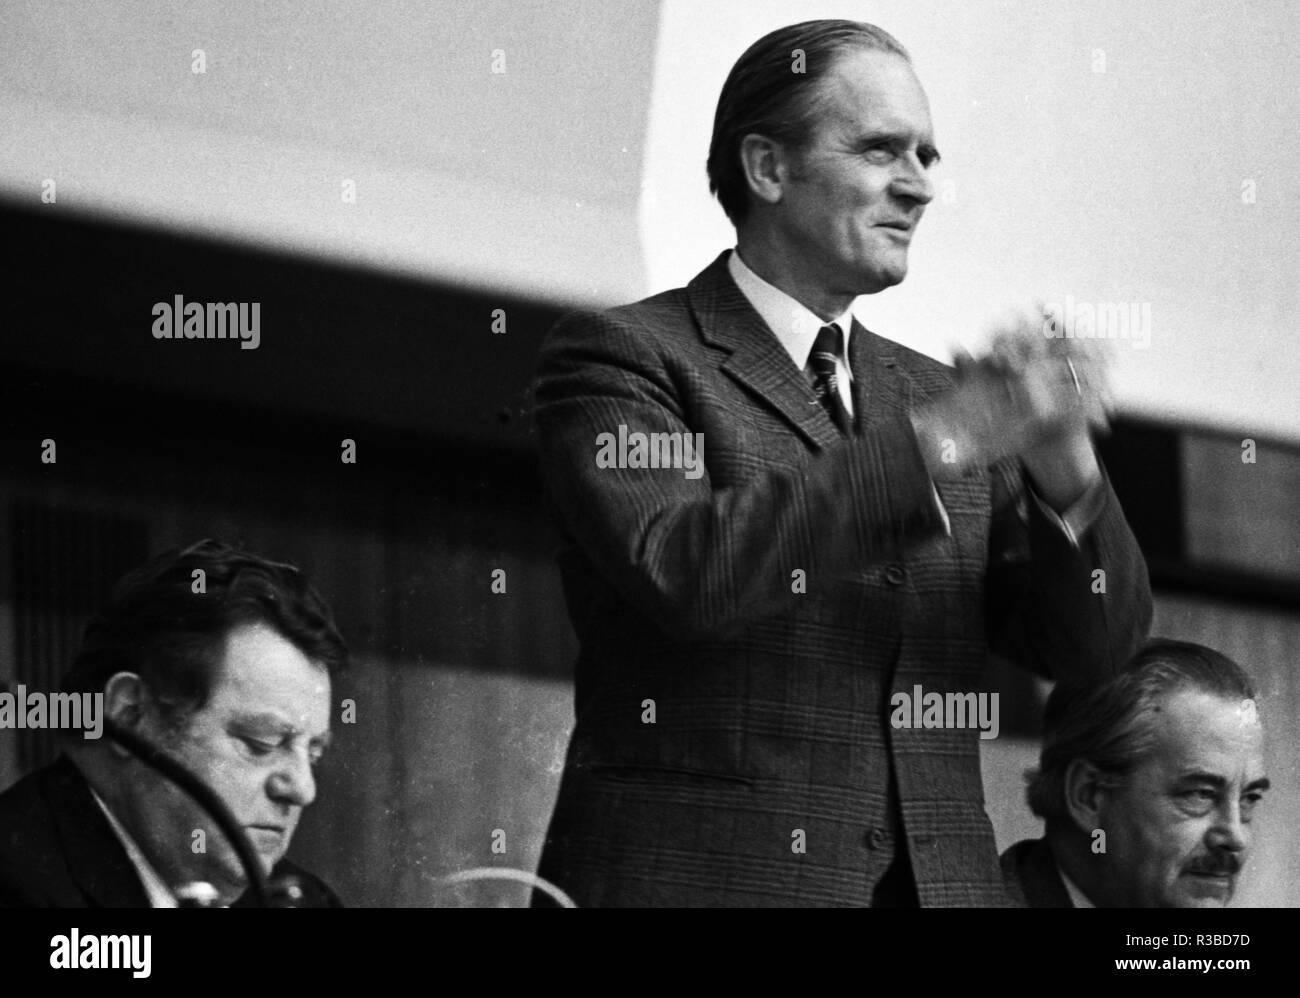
(155, 888)
(1077, 897)
(794, 324)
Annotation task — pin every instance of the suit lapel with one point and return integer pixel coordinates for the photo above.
(756, 360)
(96, 860)
(880, 388)
(1046, 888)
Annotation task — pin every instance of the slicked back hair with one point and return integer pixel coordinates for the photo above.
(1111, 725)
(775, 89)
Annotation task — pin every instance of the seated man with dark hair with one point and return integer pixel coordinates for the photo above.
(222, 660)
(1148, 784)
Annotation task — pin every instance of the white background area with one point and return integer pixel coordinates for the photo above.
(578, 175)
(1057, 181)
(522, 180)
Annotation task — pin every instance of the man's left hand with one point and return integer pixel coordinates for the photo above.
(1063, 465)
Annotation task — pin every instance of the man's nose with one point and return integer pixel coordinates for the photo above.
(293, 782)
(1228, 830)
(912, 180)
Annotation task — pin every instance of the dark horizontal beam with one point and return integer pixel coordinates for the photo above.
(337, 342)
(1232, 585)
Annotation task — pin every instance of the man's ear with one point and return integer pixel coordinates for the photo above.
(765, 164)
(1084, 792)
(125, 698)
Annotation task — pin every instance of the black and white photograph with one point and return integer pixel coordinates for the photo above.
(649, 454)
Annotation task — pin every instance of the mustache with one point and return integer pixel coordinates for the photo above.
(1216, 864)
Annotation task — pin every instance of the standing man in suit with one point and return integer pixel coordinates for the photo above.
(223, 660)
(775, 519)
(1148, 784)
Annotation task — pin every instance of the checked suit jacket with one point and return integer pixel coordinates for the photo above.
(741, 633)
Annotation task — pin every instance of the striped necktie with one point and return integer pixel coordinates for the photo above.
(825, 352)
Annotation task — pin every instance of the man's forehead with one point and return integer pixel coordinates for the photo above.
(1196, 730)
(871, 89)
(263, 673)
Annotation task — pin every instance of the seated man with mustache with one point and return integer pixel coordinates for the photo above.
(1148, 784)
(223, 660)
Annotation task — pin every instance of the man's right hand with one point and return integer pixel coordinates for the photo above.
(1011, 402)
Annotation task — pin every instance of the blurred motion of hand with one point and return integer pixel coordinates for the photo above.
(1036, 394)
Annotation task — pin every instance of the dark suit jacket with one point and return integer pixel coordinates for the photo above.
(1032, 879)
(770, 706)
(57, 850)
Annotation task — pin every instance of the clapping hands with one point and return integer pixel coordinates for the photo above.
(1032, 394)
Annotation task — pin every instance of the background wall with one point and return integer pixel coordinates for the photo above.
(495, 144)
(462, 695)
(1097, 151)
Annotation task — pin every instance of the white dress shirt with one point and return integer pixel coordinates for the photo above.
(795, 325)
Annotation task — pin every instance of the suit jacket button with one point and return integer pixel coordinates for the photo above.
(895, 575)
(877, 838)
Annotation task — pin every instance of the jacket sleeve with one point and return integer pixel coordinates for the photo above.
(1064, 612)
(703, 562)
